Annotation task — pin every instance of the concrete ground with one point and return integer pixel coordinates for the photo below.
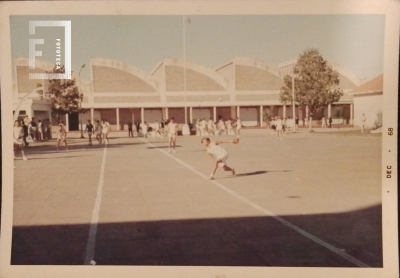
(312, 199)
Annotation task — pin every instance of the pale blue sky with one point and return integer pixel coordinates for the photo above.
(352, 41)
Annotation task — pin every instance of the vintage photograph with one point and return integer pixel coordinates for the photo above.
(209, 140)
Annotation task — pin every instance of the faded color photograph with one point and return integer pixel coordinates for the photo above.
(199, 140)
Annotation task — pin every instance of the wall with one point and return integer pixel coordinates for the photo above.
(371, 106)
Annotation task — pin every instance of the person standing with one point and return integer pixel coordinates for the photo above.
(279, 128)
(198, 127)
(296, 127)
(99, 131)
(172, 134)
(229, 126)
(130, 130)
(45, 126)
(363, 120)
(161, 131)
(238, 126)
(210, 126)
(18, 134)
(89, 129)
(330, 122)
(105, 130)
(40, 130)
(62, 137)
(218, 154)
(24, 126)
(222, 126)
(323, 124)
(33, 129)
(145, 128)
(203, 127)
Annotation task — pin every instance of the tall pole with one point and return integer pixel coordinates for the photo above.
(81, 98)
(294, 105)
(184, 62)
(185, 129)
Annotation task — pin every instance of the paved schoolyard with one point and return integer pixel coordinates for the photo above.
(312, 199)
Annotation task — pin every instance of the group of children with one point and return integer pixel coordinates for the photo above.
(102, 129)
(222, 127)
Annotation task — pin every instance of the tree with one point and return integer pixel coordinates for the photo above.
(316, 84)
(64, 95)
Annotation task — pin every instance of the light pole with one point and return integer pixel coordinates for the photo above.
(185, 129)
(81, 99)
(294, 105)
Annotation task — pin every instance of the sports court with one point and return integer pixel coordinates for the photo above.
(312, 199)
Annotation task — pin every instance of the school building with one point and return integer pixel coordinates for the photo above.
(120, 93)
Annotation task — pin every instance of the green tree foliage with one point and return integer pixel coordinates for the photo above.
(316, 84)
(64, 95)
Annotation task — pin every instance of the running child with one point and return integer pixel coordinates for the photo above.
(18, 139)
(218, 154)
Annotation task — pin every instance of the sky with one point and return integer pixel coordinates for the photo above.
(355, 42)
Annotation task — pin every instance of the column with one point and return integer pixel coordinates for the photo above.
(91, 115)
(67, 122)
(284, 111)
(166, 113)
(191, 114)
(238, 111)
(261, 116)
(118, 126)
(142, 114)
(351, 114)
(185, 115)
(215, 113)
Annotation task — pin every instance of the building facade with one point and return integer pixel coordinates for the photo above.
(121, 93)
(368, 100)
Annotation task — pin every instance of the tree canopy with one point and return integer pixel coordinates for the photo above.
(64, 95)
(316, 84)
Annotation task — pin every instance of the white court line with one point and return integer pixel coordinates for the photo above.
(96, 213)
(273, 215)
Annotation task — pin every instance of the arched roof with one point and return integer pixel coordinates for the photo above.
(199, 78)
(40, 65)
(251, 62)
(251, 74)
(127, 77)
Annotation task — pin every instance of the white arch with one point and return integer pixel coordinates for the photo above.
(39, 64)
(250, 62)
(195, 67)
(110, 63)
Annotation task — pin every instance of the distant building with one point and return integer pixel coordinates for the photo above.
(120, 93)
(368, 101)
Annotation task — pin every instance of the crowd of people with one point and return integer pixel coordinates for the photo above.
(28, 131)
(280, 126)
(221, 127)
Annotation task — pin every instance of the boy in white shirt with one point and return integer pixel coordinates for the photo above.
(219, 155)
(172, 134)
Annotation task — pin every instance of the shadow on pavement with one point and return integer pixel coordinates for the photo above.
(241, 241)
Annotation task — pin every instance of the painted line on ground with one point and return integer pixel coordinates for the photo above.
(91, 244)
(317, 240)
